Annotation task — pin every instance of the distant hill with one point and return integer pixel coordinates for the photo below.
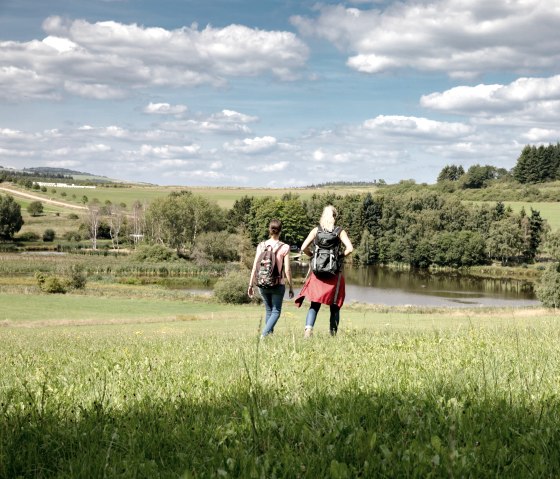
(47, 170)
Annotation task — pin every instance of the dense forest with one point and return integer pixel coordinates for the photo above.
(420, 228)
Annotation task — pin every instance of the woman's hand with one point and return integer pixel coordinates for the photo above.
(250, 291)
(291, 293)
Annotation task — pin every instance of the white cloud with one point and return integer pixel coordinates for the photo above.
(26, 84)
(269, 167)
(523, 101)
(542, 135)
(206, 126)
(252, 145)
(97, 91)
(106, 60)
(63, 164)
(168, 151)
(417, 127)
(164, 109)
(61, 45)
(83, 150)
(230, 116)
(461, 37)
(10, 152)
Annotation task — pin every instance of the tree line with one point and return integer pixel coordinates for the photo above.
(420, 228)
(538, 164)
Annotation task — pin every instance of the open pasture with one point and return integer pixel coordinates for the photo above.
(176, 387)
(224, 196)
(548, 211)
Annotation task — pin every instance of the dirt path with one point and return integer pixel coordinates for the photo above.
(42, 199)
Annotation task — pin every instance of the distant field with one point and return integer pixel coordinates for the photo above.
(549, 211)
(225, 197)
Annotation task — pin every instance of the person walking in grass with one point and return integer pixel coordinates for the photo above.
(271, 270)
(325, 282)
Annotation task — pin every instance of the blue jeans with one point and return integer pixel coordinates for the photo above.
(272, 298)
(312, 316)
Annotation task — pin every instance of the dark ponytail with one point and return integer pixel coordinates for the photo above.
(275, 227)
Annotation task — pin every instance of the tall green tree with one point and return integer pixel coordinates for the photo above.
(291, 211)
(238, 215)
(478, 176)
(450, 173)
(505, 240)
(178, 219)
(11, 220)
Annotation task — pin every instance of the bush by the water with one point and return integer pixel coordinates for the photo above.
(548, 287)
(51, 284)
(154, 253)
(75, 278)
(72, 236)
(28, 236)
(232, 288)
(49, 235)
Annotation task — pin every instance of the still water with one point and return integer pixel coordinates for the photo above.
(383, 286)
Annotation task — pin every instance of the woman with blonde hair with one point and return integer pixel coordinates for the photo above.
(325, 282)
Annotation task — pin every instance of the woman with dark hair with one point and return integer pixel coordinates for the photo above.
(273, 291)
(325, 288)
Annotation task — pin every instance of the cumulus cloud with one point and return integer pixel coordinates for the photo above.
(226, 121)
(231, 116)
(269, 167)
(461, 37)
(169, 151)
(105, 60)
(252, 145)
(542, 135)
(164, 109)
(490, 99)
(417, 127)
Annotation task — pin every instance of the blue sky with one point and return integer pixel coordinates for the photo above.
(270, 93)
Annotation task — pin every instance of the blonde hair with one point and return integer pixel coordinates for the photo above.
(328, 218)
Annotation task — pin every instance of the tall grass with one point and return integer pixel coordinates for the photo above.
(177, 400)
(115, 265)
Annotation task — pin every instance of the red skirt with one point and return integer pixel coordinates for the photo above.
(331, 290)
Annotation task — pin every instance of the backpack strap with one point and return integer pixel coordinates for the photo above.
(277, 247)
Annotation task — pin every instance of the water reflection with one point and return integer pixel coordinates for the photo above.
(377, 285)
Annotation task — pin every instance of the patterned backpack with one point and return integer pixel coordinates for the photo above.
(267, 272)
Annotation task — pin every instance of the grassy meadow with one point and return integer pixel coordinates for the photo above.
(127, 381)
(131, 378)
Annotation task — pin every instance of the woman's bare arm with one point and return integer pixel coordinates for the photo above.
(346, 242)
(310, 237)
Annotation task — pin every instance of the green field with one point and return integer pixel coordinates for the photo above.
(225, 197)
(549, 211)
(113, 382)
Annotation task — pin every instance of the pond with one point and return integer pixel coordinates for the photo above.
(390, 287)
